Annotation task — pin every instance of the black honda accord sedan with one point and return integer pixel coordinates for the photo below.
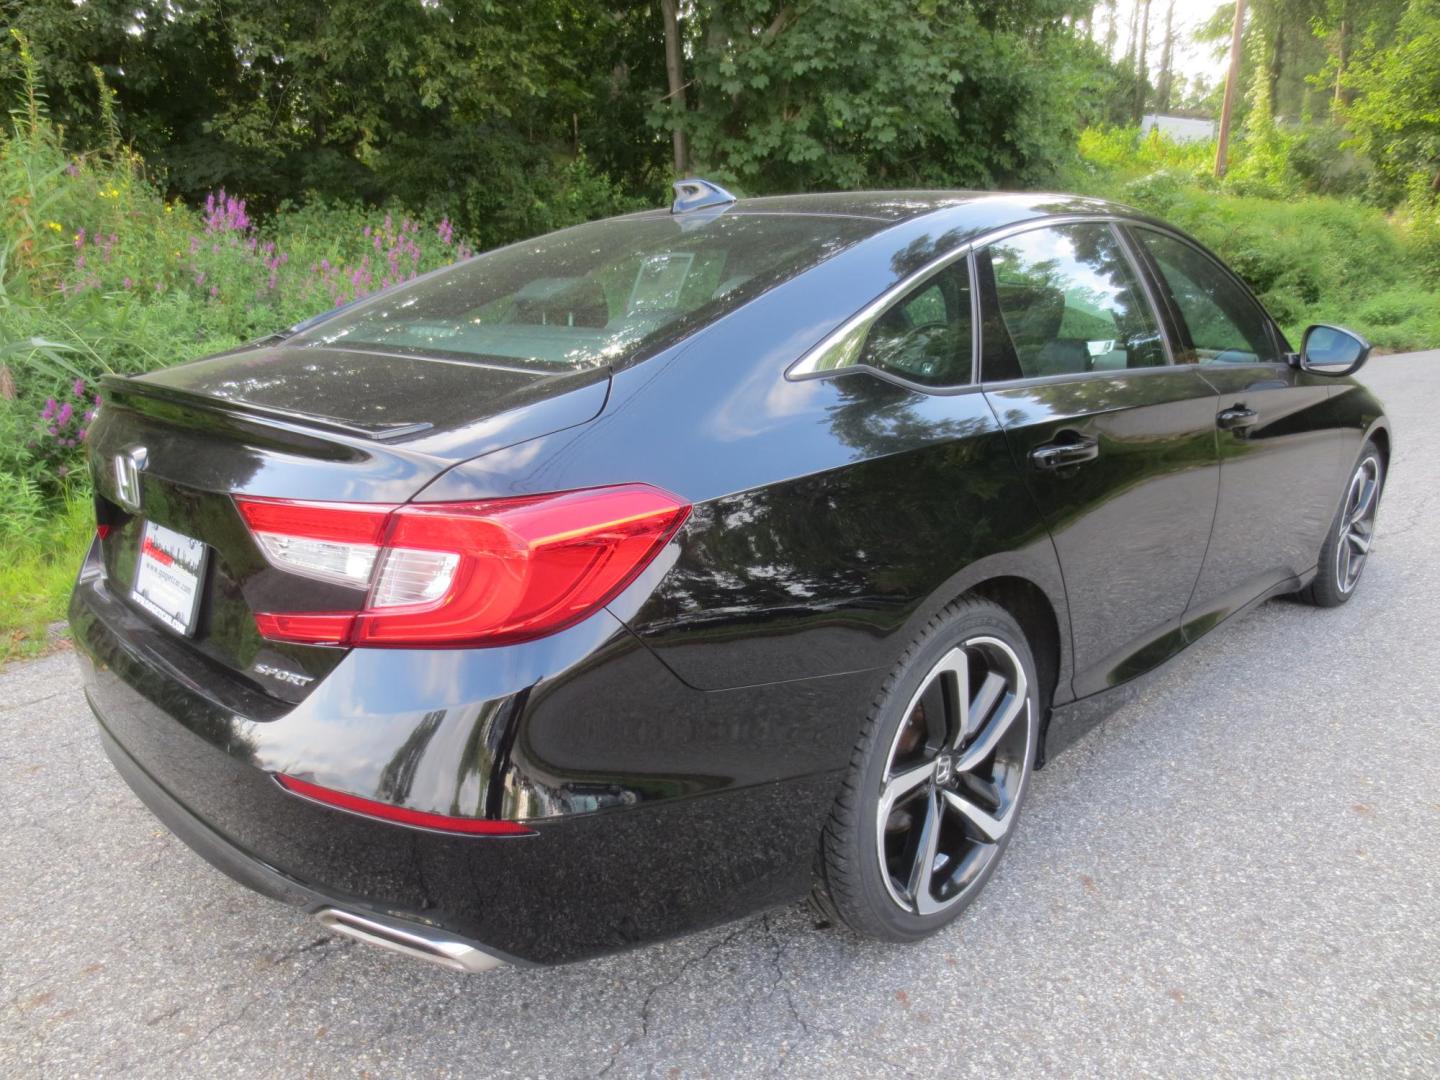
(627, 580)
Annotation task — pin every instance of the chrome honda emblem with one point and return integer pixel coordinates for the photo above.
(944, 769)
(127, 477)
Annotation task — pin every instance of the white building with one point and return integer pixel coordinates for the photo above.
(1180, 129)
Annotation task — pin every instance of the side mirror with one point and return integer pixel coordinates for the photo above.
(1332, 350)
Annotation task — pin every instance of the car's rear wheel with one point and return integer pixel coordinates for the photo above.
(1352, 534)
(936, 779)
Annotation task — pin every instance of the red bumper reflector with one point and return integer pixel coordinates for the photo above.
(400, 815)
(312, 628)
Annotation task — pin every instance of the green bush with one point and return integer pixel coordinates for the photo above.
(99, 274)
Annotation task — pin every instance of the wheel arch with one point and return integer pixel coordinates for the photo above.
(1379, 434)
(1031, 608)
(1032, 592)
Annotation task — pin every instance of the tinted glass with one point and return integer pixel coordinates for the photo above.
(1224, 323)
(1062, 301)
(596, 294)
(926, 336)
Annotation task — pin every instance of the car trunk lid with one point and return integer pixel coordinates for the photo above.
(170, 451)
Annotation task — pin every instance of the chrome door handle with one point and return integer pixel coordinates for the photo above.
(1054, 456)
(1237, 419)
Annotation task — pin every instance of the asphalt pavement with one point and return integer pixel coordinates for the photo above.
(1237, 874)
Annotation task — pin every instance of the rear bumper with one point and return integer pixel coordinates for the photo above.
(255, 874)
(640, 831)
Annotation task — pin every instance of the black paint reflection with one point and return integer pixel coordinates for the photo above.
(1131, 526)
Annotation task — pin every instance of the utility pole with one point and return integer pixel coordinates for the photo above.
(675, 78)
(1232, 78)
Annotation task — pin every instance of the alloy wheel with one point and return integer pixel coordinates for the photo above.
(954, 775)
(1357, 524)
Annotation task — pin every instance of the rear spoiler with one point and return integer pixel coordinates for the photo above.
(123, 386)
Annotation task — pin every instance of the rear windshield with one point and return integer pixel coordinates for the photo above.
(592, 295)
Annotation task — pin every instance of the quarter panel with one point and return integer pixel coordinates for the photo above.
(825, 573)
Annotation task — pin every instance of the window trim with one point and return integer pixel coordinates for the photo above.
(1278, 341)
(803, 369)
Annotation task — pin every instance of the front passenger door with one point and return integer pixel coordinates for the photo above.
(1280, 454)
(1116, 444)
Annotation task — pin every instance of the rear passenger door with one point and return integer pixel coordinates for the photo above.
(1116, 443)
(1280, 455)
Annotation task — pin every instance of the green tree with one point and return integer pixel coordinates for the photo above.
(845, 93)
(474, 103)
(1396, 115)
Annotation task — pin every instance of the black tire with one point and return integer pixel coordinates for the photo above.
(1346, 549)
(862, 862)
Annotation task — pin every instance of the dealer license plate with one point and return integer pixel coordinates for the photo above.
(168, 576)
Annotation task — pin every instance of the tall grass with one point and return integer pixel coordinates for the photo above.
(40, 551)
(99, 274)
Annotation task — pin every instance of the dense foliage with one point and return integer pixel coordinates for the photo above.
(516, 118)
(1396, 115)
(849, 93)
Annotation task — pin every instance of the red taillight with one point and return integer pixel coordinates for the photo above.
(420, 819)
(456, 574)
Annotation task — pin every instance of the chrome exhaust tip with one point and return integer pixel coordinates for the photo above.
(417, 942)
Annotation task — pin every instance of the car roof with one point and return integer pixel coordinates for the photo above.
(967, 212)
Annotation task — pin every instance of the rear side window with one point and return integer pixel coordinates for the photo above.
(1225, 325)
(924, 337)
(592, 295)
(1064, 300)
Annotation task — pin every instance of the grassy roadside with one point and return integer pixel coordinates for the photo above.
(37, 568)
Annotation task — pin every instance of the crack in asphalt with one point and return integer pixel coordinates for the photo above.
(323, 949)
(15, 706)
(810, 1029)
(680, 972)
